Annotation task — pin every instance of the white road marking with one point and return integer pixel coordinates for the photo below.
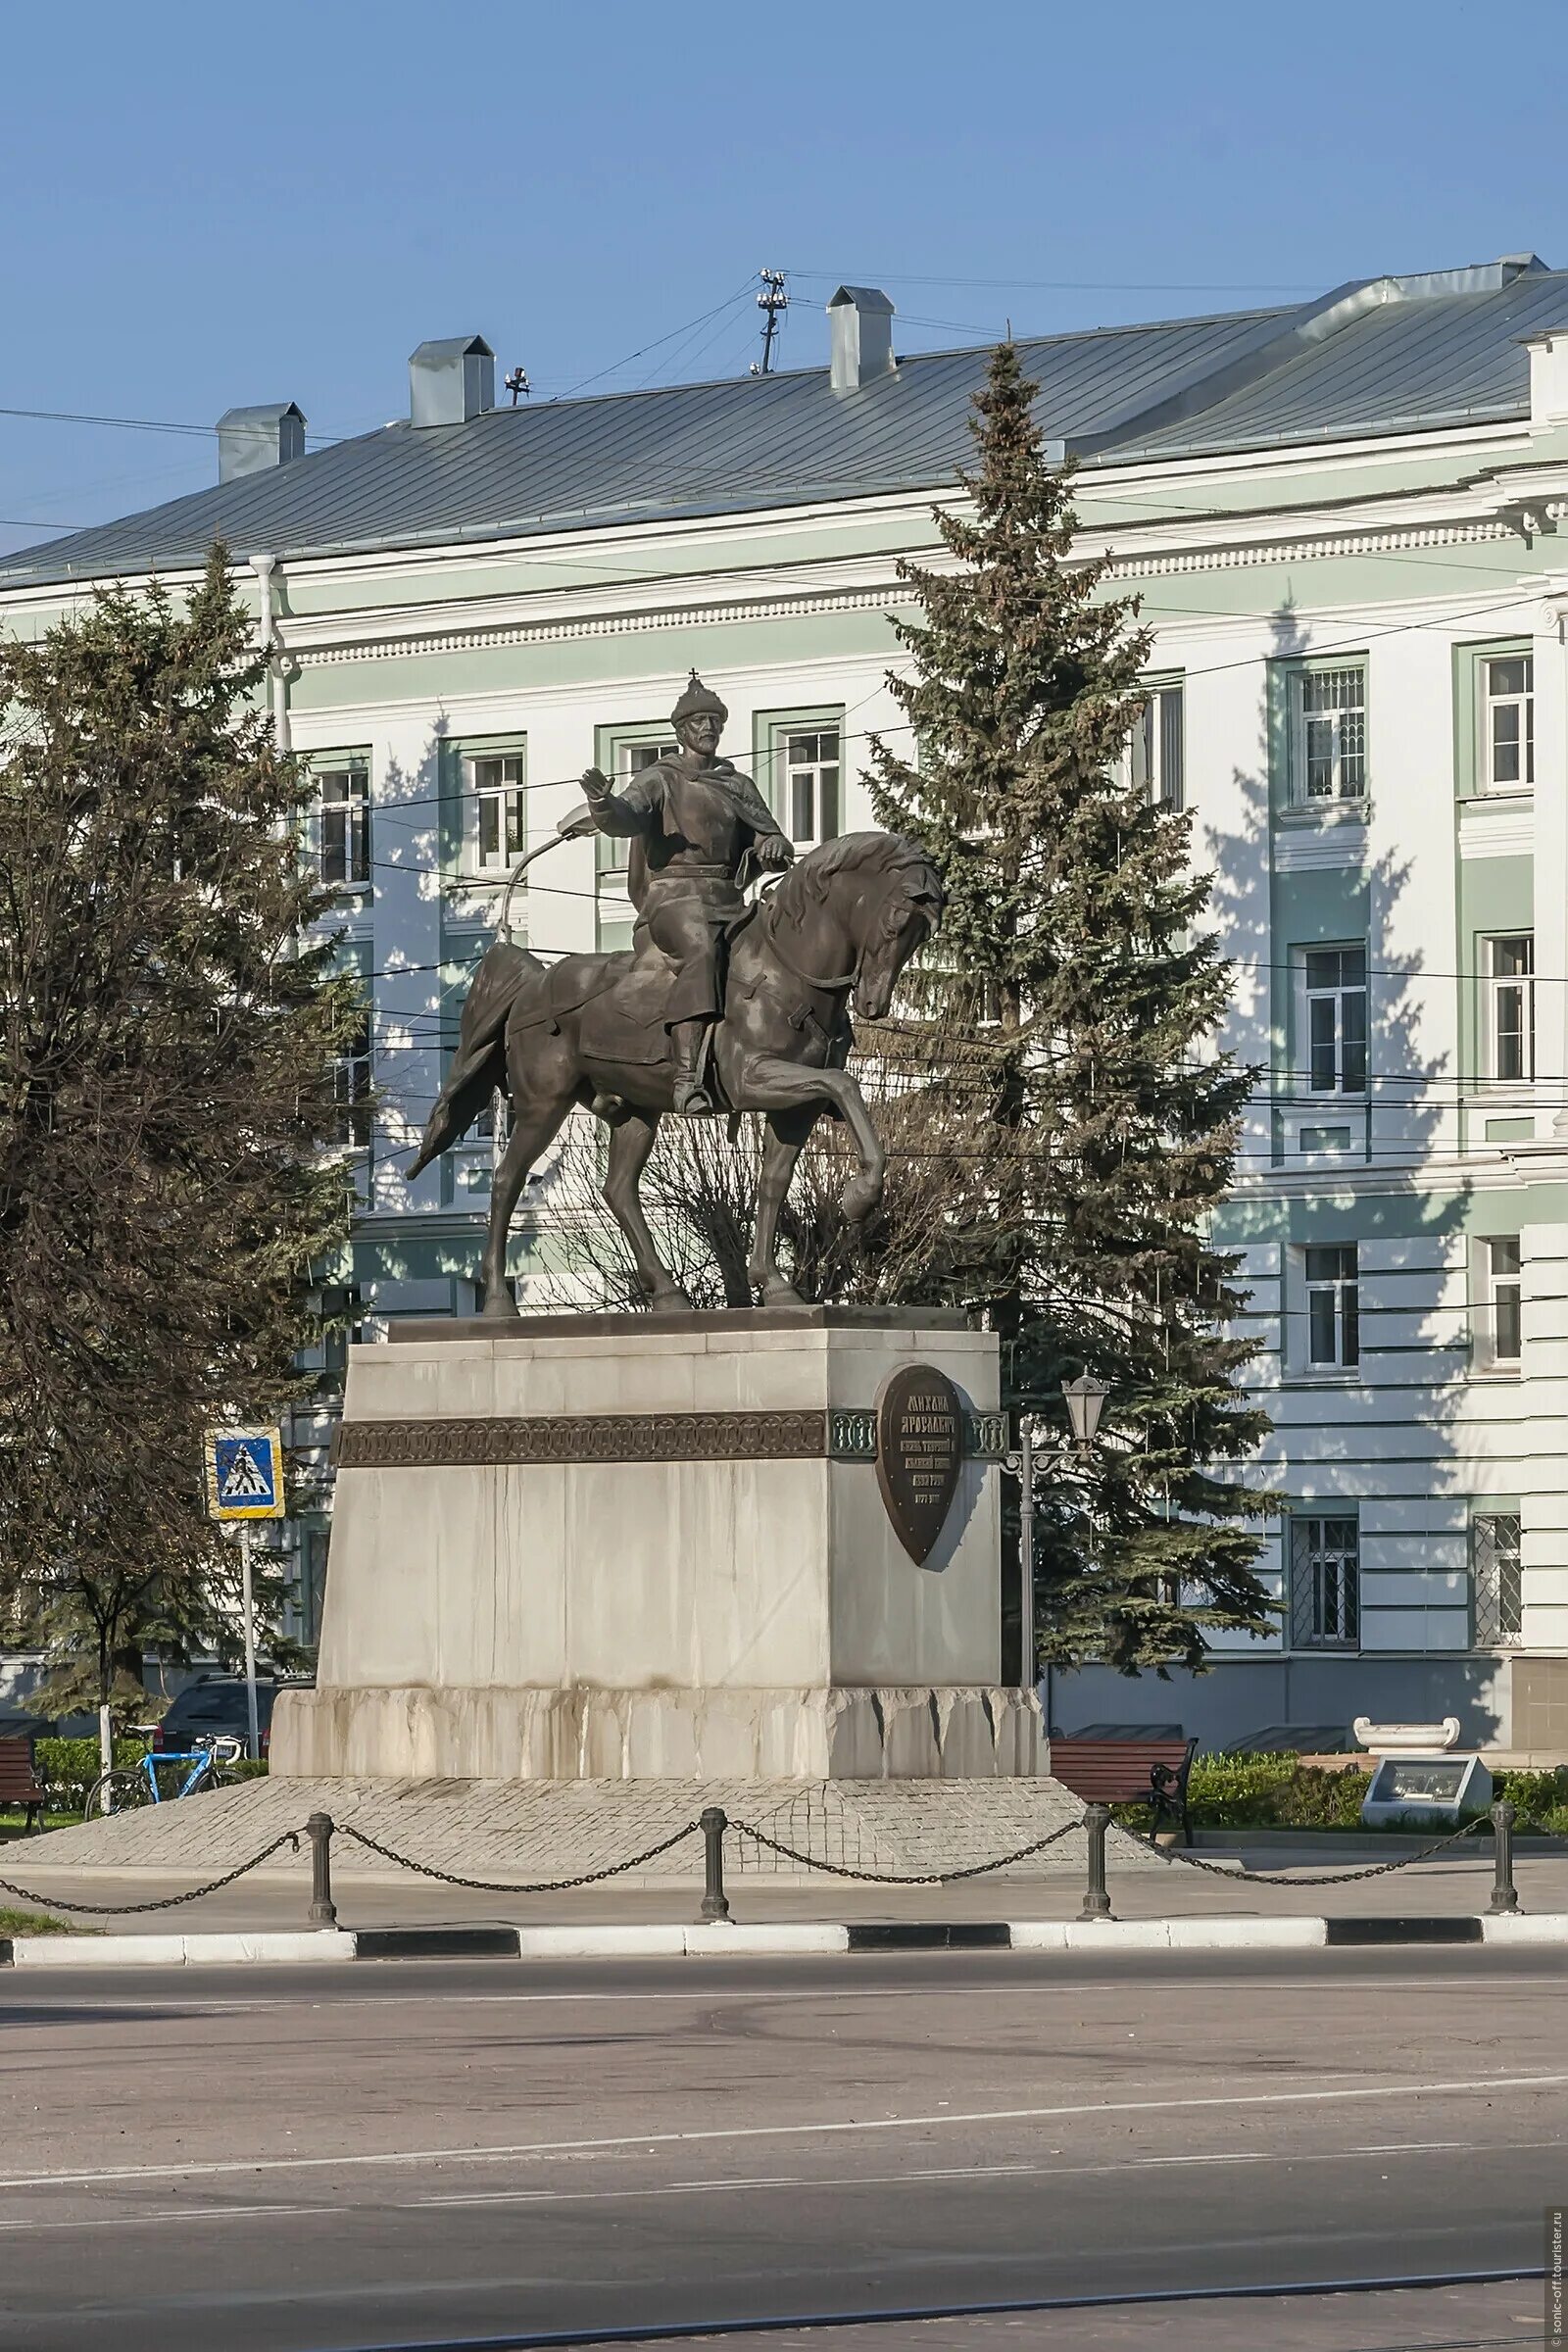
(479, 2199)
(512, 2152)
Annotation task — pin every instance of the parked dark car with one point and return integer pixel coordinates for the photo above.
(216, 1704)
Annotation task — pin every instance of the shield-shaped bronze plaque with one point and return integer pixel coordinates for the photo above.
(919, 1444)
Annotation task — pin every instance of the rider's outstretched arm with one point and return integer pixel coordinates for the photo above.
(623, 814)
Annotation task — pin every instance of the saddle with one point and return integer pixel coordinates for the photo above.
(621, 1004)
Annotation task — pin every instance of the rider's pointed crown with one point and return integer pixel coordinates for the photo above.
(696, 700)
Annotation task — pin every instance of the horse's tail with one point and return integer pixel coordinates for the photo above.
(479, 1064)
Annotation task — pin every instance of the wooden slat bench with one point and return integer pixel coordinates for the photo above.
(1129, 1772)
(18, 1783)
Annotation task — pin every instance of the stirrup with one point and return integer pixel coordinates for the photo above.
(693, 1099)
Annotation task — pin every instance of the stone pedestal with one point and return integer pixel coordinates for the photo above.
(602, 1547)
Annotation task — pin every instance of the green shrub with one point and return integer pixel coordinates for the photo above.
(1265, 1793)
(1535, 1796)
(68, 1768)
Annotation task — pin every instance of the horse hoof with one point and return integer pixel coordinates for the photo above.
(669, 1302)
(499, 1306)
(858, 1201)
(781, 1293)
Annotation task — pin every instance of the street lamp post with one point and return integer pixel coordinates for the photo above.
(1086, 1401)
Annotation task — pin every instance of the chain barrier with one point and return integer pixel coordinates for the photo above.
(451, 1877)
(164, 1902)
(887, 1877)
(1317, 1878)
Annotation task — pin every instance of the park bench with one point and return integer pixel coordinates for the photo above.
(18, 1783)
(1127, 1770)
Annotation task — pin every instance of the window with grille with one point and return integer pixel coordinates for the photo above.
(497, 784)
(1508, 722)
(1325, 1582)
(1496, 1579)
(1336, 1020)
(1333, 1309)
(352, 1086)
(1154, 751)
(811, 784)
(1509, 982)
(343, 823)
(1502, 1265)
(1328, 735)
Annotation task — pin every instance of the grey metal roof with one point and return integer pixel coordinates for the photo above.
(1381, 354)
(1402, 365)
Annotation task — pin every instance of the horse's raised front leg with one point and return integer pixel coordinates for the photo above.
(772, 1084)
(629, 1145)
(533, 1131)
(787, 1133)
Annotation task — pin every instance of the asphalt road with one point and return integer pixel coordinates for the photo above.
(399, 2153)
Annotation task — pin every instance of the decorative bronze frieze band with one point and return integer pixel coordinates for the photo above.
(581, 1438)
(805, 1435)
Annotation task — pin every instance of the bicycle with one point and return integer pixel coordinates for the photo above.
(129, 1784)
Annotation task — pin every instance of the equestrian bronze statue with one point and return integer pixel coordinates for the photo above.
(722, 1006)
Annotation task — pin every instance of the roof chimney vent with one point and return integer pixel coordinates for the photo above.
(862, 336)
(253, 440)
(452, 381)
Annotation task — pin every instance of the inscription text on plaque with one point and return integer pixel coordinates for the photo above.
(919, 1446)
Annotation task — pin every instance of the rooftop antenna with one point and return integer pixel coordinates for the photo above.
(516, 381)
(773, 302)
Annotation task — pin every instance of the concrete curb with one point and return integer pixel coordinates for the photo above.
(778, 1939)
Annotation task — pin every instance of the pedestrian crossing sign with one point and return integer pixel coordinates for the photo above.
(245, 1473)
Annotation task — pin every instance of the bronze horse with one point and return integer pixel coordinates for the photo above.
(840, 926)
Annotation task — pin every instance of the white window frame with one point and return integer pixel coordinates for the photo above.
(1503, 1022)
(1338, 726)
(1332, 1294)
(1157, 749)
(351, 806)
(1502, 1302)
(1491, 706)
(353, 1083)
(1324, 1567)
(812, 786)
(505, 793)
(1340, 1056)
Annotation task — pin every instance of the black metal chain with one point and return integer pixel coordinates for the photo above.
(888, 1877)
(164, 1902)
(450, 1878)
(1317, 1878)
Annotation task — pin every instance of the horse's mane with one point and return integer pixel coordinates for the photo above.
(871, 856)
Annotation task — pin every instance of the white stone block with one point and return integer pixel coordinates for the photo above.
(655, 1617)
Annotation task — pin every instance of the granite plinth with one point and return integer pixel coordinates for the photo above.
(626, 1548)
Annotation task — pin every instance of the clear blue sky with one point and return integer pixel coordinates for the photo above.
(207, 206)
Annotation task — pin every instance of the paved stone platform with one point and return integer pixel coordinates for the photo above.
(535, 1830)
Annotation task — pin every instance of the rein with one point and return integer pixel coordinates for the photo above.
(839, 980)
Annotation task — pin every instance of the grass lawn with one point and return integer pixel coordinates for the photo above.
(13, 1825)
(36, 1923)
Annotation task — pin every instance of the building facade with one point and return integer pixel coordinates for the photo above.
(1346, 521)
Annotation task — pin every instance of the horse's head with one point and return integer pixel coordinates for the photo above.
(881, 895)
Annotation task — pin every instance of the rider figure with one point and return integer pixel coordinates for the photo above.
(698, 829)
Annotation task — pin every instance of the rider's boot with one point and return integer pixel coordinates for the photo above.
(686, 1047)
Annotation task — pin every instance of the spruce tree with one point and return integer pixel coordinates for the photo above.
(167, 1047)
(1069, 1013)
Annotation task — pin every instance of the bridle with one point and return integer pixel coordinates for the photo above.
(837, 980)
